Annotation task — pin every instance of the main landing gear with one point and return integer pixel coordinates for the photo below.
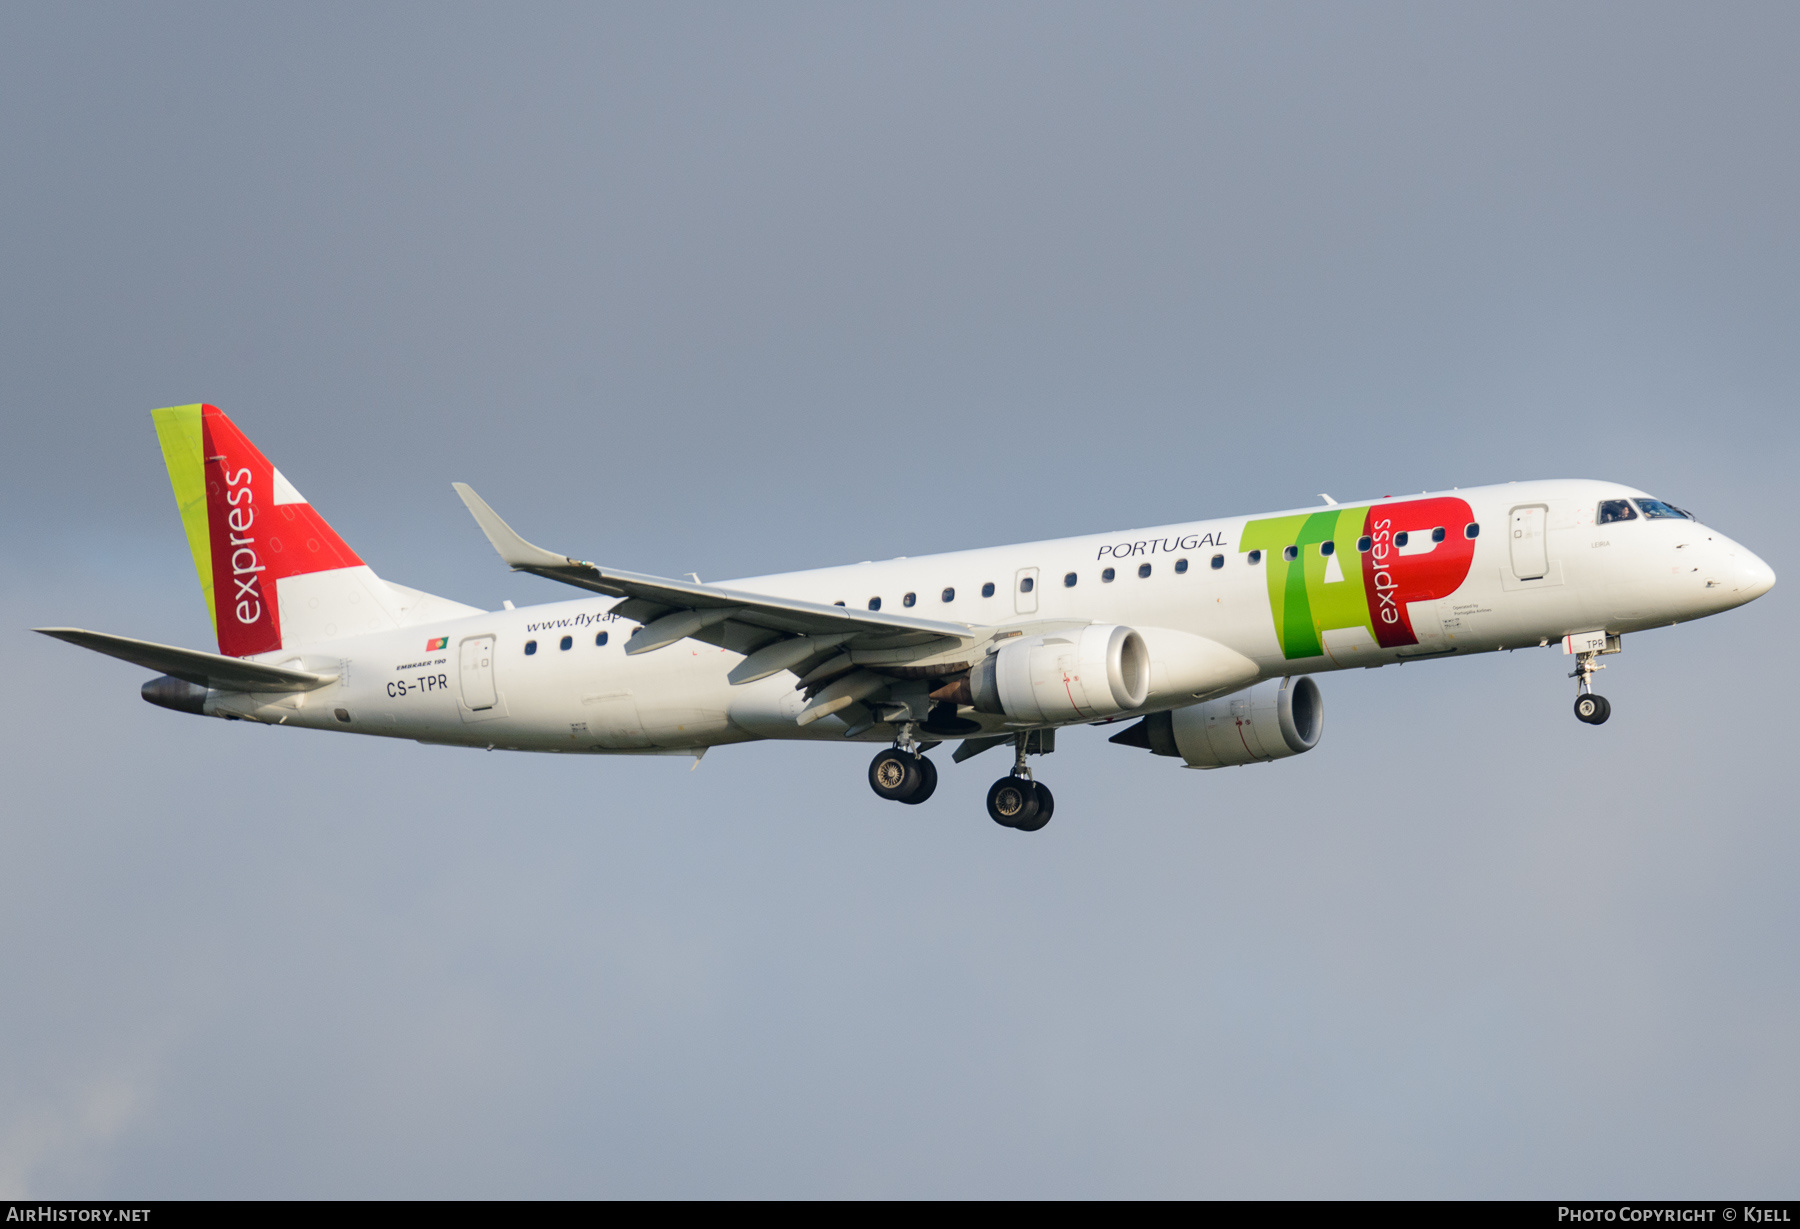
(1017, 801)
(1591, 708)
(903, 774)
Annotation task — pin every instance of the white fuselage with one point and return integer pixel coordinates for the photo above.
(574, 693)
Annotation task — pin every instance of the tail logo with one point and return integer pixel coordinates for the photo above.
(247, 526)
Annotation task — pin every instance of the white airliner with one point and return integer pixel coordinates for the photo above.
(1206, 633)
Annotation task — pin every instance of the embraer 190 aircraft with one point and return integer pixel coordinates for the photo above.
(1206, 633)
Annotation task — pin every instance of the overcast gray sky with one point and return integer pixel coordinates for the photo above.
(733, 289)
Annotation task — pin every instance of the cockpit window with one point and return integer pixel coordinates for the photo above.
(1656, 510)
(1615, 510)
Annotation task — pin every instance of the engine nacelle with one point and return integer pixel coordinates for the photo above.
(1077, 675)
(1269, 721)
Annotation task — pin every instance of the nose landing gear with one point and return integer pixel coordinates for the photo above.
(1590, 708)
(1018, 801)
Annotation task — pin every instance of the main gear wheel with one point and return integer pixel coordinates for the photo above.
(1019, 802)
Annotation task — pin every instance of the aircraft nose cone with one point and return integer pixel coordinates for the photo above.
(1754, 577)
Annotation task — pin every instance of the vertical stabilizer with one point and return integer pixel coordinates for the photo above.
(247, 526)
(274, 573)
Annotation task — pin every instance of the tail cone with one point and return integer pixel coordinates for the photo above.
(178, 694)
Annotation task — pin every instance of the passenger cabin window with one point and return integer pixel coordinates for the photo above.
(909, 599)
(1218, 561)
(1290, 553)
(987, 590)
(600, 640)
(1471, 530)
(1180, 566)
(874, 603)
(1143, 570)
(568, 642)
(1364, 543)
(1401, 538)
(1612, 510)
(1255, 557)
(1328, 549)
(1656, 510)
(949, 595)
(1437, 535)
(1027, 584)
(1107, 576)
(1069, 581)
(530, 647)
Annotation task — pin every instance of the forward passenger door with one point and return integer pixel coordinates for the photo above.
(1530, 556)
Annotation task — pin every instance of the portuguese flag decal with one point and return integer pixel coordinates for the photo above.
(432, 646)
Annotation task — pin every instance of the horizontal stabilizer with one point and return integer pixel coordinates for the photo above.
(206, 669)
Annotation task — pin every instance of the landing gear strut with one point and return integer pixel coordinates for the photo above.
(1591, 708)
(902, 773)
(1018, 801)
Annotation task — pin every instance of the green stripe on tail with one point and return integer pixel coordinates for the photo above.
(184, 452)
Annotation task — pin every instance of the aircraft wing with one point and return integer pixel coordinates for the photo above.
(213, 670)
(673, 609)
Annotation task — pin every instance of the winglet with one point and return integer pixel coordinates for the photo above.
(516, 551)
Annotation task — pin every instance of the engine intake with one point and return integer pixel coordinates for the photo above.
(1269, 721)
(1076, 675)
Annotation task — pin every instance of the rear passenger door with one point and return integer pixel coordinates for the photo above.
(475, 672)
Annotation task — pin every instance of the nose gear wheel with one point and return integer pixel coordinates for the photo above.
(1592, 709)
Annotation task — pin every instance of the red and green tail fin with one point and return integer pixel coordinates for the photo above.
(247, 526)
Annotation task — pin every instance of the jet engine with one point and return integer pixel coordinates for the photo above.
(1269, 721)
(1076, 675)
